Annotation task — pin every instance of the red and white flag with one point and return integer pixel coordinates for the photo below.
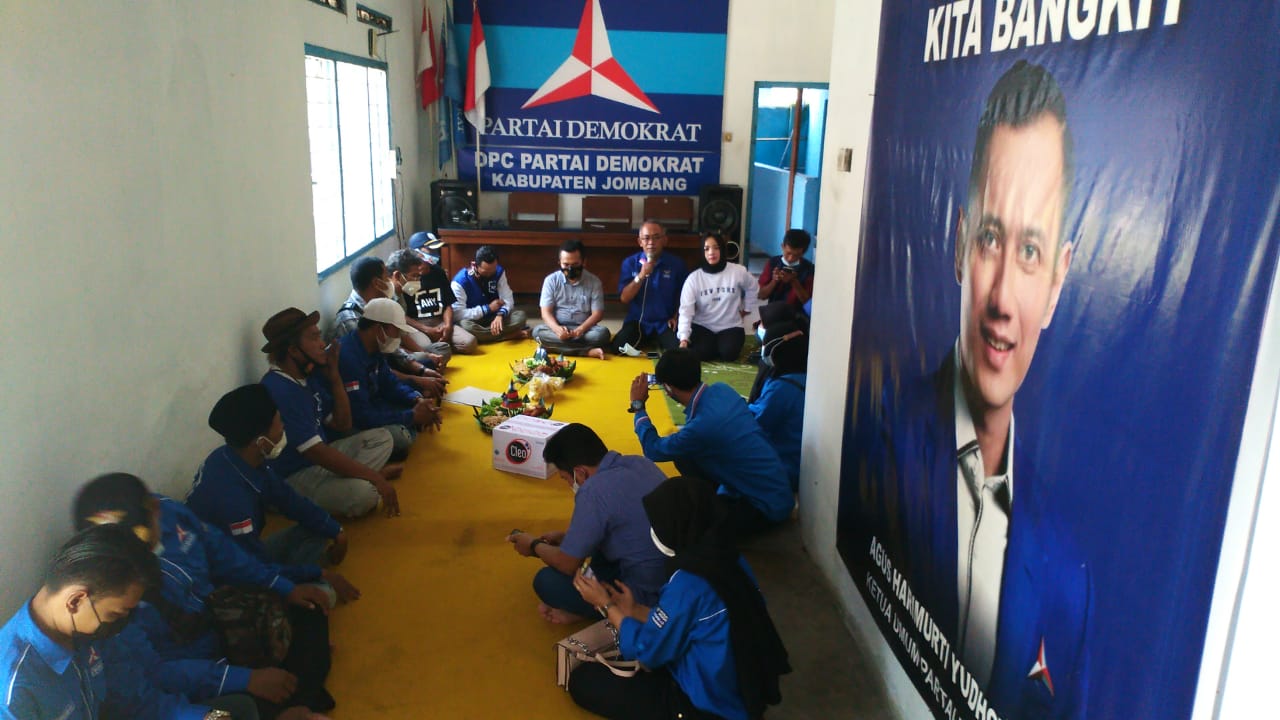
(477, 73)
(428, 63)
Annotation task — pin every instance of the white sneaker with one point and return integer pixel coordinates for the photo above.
(630, 351)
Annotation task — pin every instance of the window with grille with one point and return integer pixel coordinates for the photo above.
(349, 125)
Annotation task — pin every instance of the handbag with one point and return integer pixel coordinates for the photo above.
(597, 643)
(253, 625)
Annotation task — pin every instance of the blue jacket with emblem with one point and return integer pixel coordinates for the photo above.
(194, 560)
(1046, 591)
(377, 396)
(41, 679)
(688, 633)
(232, 496)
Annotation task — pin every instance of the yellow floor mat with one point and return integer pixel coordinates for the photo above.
(448, 624)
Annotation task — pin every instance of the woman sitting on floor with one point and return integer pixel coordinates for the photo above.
(713, 302)
(710, 644)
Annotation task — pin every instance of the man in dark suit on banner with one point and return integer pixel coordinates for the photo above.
(980, 549)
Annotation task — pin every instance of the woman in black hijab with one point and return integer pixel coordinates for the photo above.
(709, 643)
(714, 299)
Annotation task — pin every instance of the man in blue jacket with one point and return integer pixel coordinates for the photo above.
(377, 397)
(483, 302)
(650, 284)
(195, 560)
(720, 441)
(234, 486)
(51, 663)
(780, 407)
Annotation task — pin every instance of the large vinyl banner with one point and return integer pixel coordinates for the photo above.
(1070, 236)
(599, 96)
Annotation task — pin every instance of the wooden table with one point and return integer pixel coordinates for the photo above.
(530, 255)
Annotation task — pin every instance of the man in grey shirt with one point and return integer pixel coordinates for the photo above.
(572, 306)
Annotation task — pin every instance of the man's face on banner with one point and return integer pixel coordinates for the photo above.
(1008, 261)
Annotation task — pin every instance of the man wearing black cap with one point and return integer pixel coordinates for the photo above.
(431, 302)
(407, 268)
(234, 486)
(349, 475)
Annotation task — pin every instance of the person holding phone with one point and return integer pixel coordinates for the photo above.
(788, 277)
(608, 526)
(710, 646)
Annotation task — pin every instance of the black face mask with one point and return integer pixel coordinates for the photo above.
(573, 273)
(106, 630)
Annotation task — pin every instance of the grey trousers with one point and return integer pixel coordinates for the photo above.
(596, 337)
(512, 326)
(464, 343)
(346, 496)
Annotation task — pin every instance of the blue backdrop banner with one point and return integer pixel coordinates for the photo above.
(1071, 233)
(599, 96)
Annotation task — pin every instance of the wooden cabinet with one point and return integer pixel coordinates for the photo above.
(530, 255)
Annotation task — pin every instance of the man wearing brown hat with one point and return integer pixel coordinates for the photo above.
(346, 477)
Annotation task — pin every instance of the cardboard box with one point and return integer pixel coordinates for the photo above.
(518, 444)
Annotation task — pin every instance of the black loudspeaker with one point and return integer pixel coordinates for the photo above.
(453, 205)
(720, 209)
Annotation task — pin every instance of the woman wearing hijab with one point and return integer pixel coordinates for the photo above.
(715, 298)
(709, 643)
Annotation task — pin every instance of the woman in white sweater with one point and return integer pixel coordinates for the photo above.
(713, 302)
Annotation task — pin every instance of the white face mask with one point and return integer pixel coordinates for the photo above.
(575, 486)
(790, 264)
(388, 344)
(390, 292)
(658, 544)
(276, 449)
(411, 288)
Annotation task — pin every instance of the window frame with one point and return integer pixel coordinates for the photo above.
(351, 253)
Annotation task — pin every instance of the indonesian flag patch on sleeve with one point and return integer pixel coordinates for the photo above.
(352, 386)
(244, 527)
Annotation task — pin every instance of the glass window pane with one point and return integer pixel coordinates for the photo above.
(349, 126)
(357, 165)
(326, 172)
(380, 144)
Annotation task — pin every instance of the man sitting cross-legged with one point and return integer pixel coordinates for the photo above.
(346, 477)
(429, 303)
(377, 397)
(485, 302)
(608, 525)
(234, 487)
(572, 305)
(370, 280)
(196, 561)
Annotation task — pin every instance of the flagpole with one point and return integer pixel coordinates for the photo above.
(478, 191)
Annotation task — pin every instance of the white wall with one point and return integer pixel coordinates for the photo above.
(155, 208)
(856, 26)
(767, 41)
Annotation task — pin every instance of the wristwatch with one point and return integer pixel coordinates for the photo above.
(217, 715)
(636, 406)
(534, 545)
